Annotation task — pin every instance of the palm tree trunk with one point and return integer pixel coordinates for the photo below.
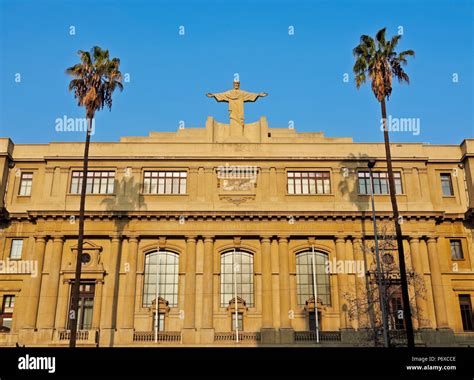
(77, 279)
(398, 230)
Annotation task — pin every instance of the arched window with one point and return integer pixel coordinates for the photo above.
(237, 267)
(162, 268)
(304, 277)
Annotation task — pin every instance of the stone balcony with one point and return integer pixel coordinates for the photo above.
(310, 336)
(231, 337)
(163, 337)
(84, 337)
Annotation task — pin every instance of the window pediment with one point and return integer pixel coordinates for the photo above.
(241, 305)
(162, 305)
(309, 305)
(90, 253)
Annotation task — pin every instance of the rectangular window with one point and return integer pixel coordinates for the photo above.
(16, 249)
(466, 312)
(86, 306)
(166, 182)
(312, 321)
(98, 182)
(397, 321)
(447, 185)
(308, 183)
(381, 185)
(26, 182)
(456, 250)
(161, 322)
(240, 321)
(6, 314)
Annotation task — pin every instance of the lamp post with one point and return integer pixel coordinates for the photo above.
(380, 283)
(235, 297)
(157, 285)
(315, 291)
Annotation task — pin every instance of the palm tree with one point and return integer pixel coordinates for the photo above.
(95, 79)
(378, 60)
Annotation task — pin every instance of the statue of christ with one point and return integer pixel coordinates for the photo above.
(236, 98)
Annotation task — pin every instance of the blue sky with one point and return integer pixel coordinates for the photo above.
(170, 73)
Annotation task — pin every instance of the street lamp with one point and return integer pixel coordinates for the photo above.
(157, 294)
(381, 285)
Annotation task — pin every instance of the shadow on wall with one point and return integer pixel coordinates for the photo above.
(126, 201)
(349, 172)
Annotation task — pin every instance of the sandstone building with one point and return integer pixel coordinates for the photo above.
(182, 209)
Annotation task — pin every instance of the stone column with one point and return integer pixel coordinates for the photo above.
(130, 292)
(360, 281)
(418, 268)
(275, 283)
(286, 331)
(110, 296)
(267, 310)
(437, 284)
(63, 303)
(209, 184)
(201, 195)
(273, 184)
(35, 284)
(192, 183)
(97, 311)
(351, 279)
(47, 310)
(189, 331)
(342, 283)
(268, 332)
(207, 333)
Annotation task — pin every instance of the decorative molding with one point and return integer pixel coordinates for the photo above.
(241, 305)
(236, 199)
(162, 305)
(91, 249)
(309, 305)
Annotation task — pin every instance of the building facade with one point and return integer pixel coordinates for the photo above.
(199, 233)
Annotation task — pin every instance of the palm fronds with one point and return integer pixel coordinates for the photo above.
(378, 60)
(95, 79)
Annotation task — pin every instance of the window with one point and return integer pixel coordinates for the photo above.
(381, 185)
(161, 268)
(447, 185)
(16, 249)
(304, 277)
(240, 321)
(98, 182)
(395, 306)
(165, 182)
(86, 306)
(6, 313)
(237, 269)
(26, 182)
(308, 183)
(466, 312)
(312, 321)
(456, 250)
(161, 321)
